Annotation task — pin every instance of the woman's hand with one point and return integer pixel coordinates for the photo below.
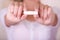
(46, 16)
(14, 14)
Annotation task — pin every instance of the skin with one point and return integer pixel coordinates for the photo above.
(46, 15)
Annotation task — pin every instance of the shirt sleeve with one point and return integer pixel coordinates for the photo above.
(2, 14)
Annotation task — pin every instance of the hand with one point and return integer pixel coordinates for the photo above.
(14, 14)
(46, 16)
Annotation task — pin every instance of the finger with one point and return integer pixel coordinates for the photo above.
(20, 10)
(45, 12)
(41, 11)
(11, 8)
(49, 10)
(16, 8)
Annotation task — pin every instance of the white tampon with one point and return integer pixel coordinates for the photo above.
(30, 12)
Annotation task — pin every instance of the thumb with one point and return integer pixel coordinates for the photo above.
(36, 14)
(24, 9)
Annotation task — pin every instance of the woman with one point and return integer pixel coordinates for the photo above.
(19, 26)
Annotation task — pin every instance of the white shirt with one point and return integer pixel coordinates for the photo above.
(26, 30)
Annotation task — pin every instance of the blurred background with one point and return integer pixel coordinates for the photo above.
(4, 4)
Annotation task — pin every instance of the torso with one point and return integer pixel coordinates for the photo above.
(26, 30)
